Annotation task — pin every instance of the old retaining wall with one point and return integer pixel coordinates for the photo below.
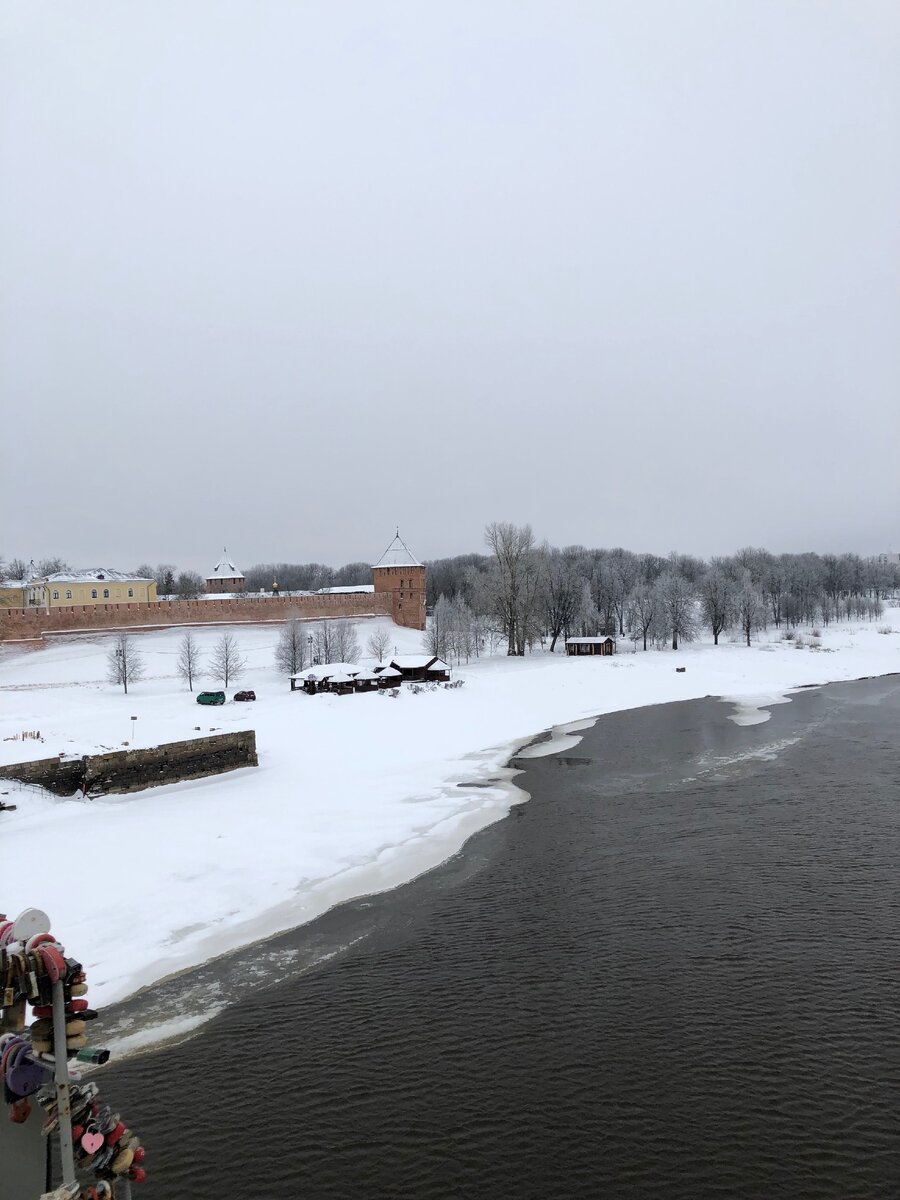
(133, 770)
(34, 622)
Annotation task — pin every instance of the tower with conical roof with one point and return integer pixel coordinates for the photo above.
(225, 576)
(401, 574)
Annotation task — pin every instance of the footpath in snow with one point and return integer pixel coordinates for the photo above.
(352, 795)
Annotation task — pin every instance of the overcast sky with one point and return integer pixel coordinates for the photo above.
(286, 275)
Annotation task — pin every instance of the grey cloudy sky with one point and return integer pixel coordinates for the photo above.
(284, 275)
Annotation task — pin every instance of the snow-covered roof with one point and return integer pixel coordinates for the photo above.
(367, 673)
(387, 672)
(327, 671)
(397, 555)
(439, 665)
(94, 575)
(340, 678)
(337, 591)
(225, 569)
(412, 662)
(14, 583)
(590, 641)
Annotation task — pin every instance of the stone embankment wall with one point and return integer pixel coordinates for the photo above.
(34, 622)
(133, 770)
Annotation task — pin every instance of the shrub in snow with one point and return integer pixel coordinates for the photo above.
(885, 629)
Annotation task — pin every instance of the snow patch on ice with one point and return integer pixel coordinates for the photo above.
(754, 710)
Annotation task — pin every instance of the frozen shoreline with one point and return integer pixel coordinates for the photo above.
(353, 795)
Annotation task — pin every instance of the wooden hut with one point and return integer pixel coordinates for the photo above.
(388, 677)
(421, 668)
(321, 678)
(603, 644)
(366, 681)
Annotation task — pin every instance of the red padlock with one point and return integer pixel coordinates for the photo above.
(114, 1134)
(137, 1174)
(19, 1111)
(139, 1154)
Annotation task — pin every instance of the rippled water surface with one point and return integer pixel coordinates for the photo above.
(673, 973)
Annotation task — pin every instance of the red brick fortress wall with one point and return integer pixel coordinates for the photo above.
(406, 588)
(34, 622)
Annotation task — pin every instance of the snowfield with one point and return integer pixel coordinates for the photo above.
(352, 795)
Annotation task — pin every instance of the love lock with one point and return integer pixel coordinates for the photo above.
(23, 1076)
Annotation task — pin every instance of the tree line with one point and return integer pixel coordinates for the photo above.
(528, 593)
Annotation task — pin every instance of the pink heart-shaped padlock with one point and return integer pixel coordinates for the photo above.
(91, 1142)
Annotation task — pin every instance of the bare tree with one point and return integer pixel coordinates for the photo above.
(188, 662)
(189, 585)
(226, 662)
(642, 610)
(676, 607)
(124, 664)
(378, 643)
(716, 600)
(165, 579)
(293, 647)
(517, 577)
(751, 610)
(346, 643)
(335, 641)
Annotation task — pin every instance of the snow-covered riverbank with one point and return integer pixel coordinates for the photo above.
(352, 794)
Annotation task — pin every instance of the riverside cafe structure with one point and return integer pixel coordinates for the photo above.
(344, 679)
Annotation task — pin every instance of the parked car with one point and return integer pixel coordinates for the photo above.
(251, 695)
(210, 697)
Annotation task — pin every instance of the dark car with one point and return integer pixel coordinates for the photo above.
(245, 695)
(211, 698)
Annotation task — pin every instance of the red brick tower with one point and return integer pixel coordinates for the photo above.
(403, 576)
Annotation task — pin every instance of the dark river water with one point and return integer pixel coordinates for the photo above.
(674, 972)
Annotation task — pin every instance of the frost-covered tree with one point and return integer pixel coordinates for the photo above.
(623, 571)
(226, 662)
(561, 594)
(188, 662)
(124, 664)
(292, 647)
(716, 594)
(49, 566)
(379, 643)
(675, 600)
(436, 639)
(587, 618)
(461, 642)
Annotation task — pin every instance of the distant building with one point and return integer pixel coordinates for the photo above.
(401, 574)
(603, 645)
(889, 559)
(13, 593)
(91, 587)
(225, 576)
